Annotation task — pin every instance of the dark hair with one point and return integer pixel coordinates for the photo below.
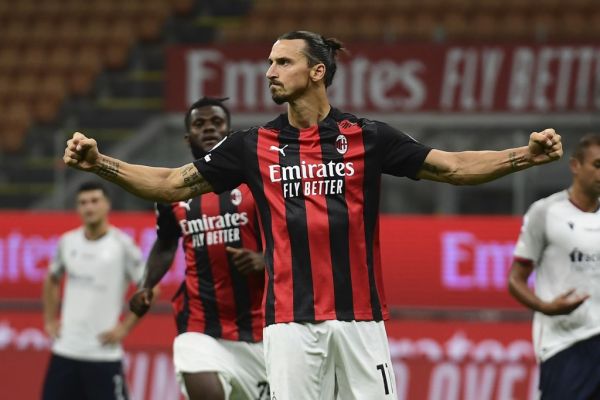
(318, 50)
(93, 185)
(591, 139)
(204, 102)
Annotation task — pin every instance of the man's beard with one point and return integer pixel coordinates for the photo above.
(279, 99)
(197, 152)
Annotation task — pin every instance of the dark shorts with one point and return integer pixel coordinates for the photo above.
(574, 373)
(68, 379)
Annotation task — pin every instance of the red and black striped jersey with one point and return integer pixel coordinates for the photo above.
(215, 298)
(317, 191)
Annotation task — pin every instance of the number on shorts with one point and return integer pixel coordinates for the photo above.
(263, 390)
(384, 375)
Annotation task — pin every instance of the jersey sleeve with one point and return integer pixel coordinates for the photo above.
(57, 264)
(166, 222)
(532, 238)
(223, 166)
(401, 154)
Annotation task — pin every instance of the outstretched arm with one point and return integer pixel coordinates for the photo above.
(153, 183)
(475, 167)
(159, 260)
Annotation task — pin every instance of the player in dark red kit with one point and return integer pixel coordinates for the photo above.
(314, 173)
(218, 352)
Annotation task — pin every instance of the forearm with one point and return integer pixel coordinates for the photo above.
(159, 261)
(153, 183)
(51, 299)
(473, 167)
(129, 322)
(519, 289)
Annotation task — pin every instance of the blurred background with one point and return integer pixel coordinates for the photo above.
(454, 74)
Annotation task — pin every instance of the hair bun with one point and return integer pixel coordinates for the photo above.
(333, 44)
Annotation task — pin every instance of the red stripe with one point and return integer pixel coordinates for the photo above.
(356, 224)
(197, 318)
(318, 228)
(218, 261)
(282, 253)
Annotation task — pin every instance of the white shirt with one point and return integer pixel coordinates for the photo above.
(564, 244)
(98, 275)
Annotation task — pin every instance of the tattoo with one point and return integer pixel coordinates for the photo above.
(108, 168)
(194, 181)
(431, 168)
(512, 157)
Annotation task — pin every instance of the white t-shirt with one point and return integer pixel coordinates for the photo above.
(98, 275)
(564, 244)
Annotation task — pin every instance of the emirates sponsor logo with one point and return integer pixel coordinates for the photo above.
(341, 144)
(216, 222)
(279, 173)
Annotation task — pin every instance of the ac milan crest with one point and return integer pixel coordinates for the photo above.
(236, 197)
(341, 144)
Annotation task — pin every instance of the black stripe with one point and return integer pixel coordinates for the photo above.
(371, 187)
(295, 211)
(239, 282)
(337, 213)
(256, 185)
(182, 318)
(206, 283)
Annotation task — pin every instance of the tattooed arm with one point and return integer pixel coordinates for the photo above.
(475, 167)
(153, 183)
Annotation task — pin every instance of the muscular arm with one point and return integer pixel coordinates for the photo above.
(51, 304)
(153, 183)
(159, 260)
(472, 167)
(475, 167)
(518, 288)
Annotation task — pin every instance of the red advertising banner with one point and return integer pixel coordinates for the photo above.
(427, 261)
(528, 78)
(450, 360)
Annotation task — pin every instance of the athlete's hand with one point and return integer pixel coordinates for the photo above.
(565, 303)
(545, 146)
(114, 336)
(52, 328)
(81, 152)
(141, 301)
(246, 261)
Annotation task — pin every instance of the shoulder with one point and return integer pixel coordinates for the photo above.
(121, 237)
(71, 235)
(538, 211)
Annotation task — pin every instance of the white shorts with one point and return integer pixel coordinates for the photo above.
(322, 361)
(239, 365)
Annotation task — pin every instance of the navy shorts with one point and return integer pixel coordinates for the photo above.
(70, 379)
(573, 373)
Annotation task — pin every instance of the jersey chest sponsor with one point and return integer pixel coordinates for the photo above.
(311, 179)
(214, 229)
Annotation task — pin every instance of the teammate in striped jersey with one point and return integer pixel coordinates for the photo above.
(314, 173)
(218, 352)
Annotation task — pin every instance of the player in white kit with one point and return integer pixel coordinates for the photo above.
(99, 262)
(560, 241)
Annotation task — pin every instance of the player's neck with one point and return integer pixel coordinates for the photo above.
(581, 199)
(96, 231)
(308, 110)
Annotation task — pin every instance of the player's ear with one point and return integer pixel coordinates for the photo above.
(574, 165)
(317, 72)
